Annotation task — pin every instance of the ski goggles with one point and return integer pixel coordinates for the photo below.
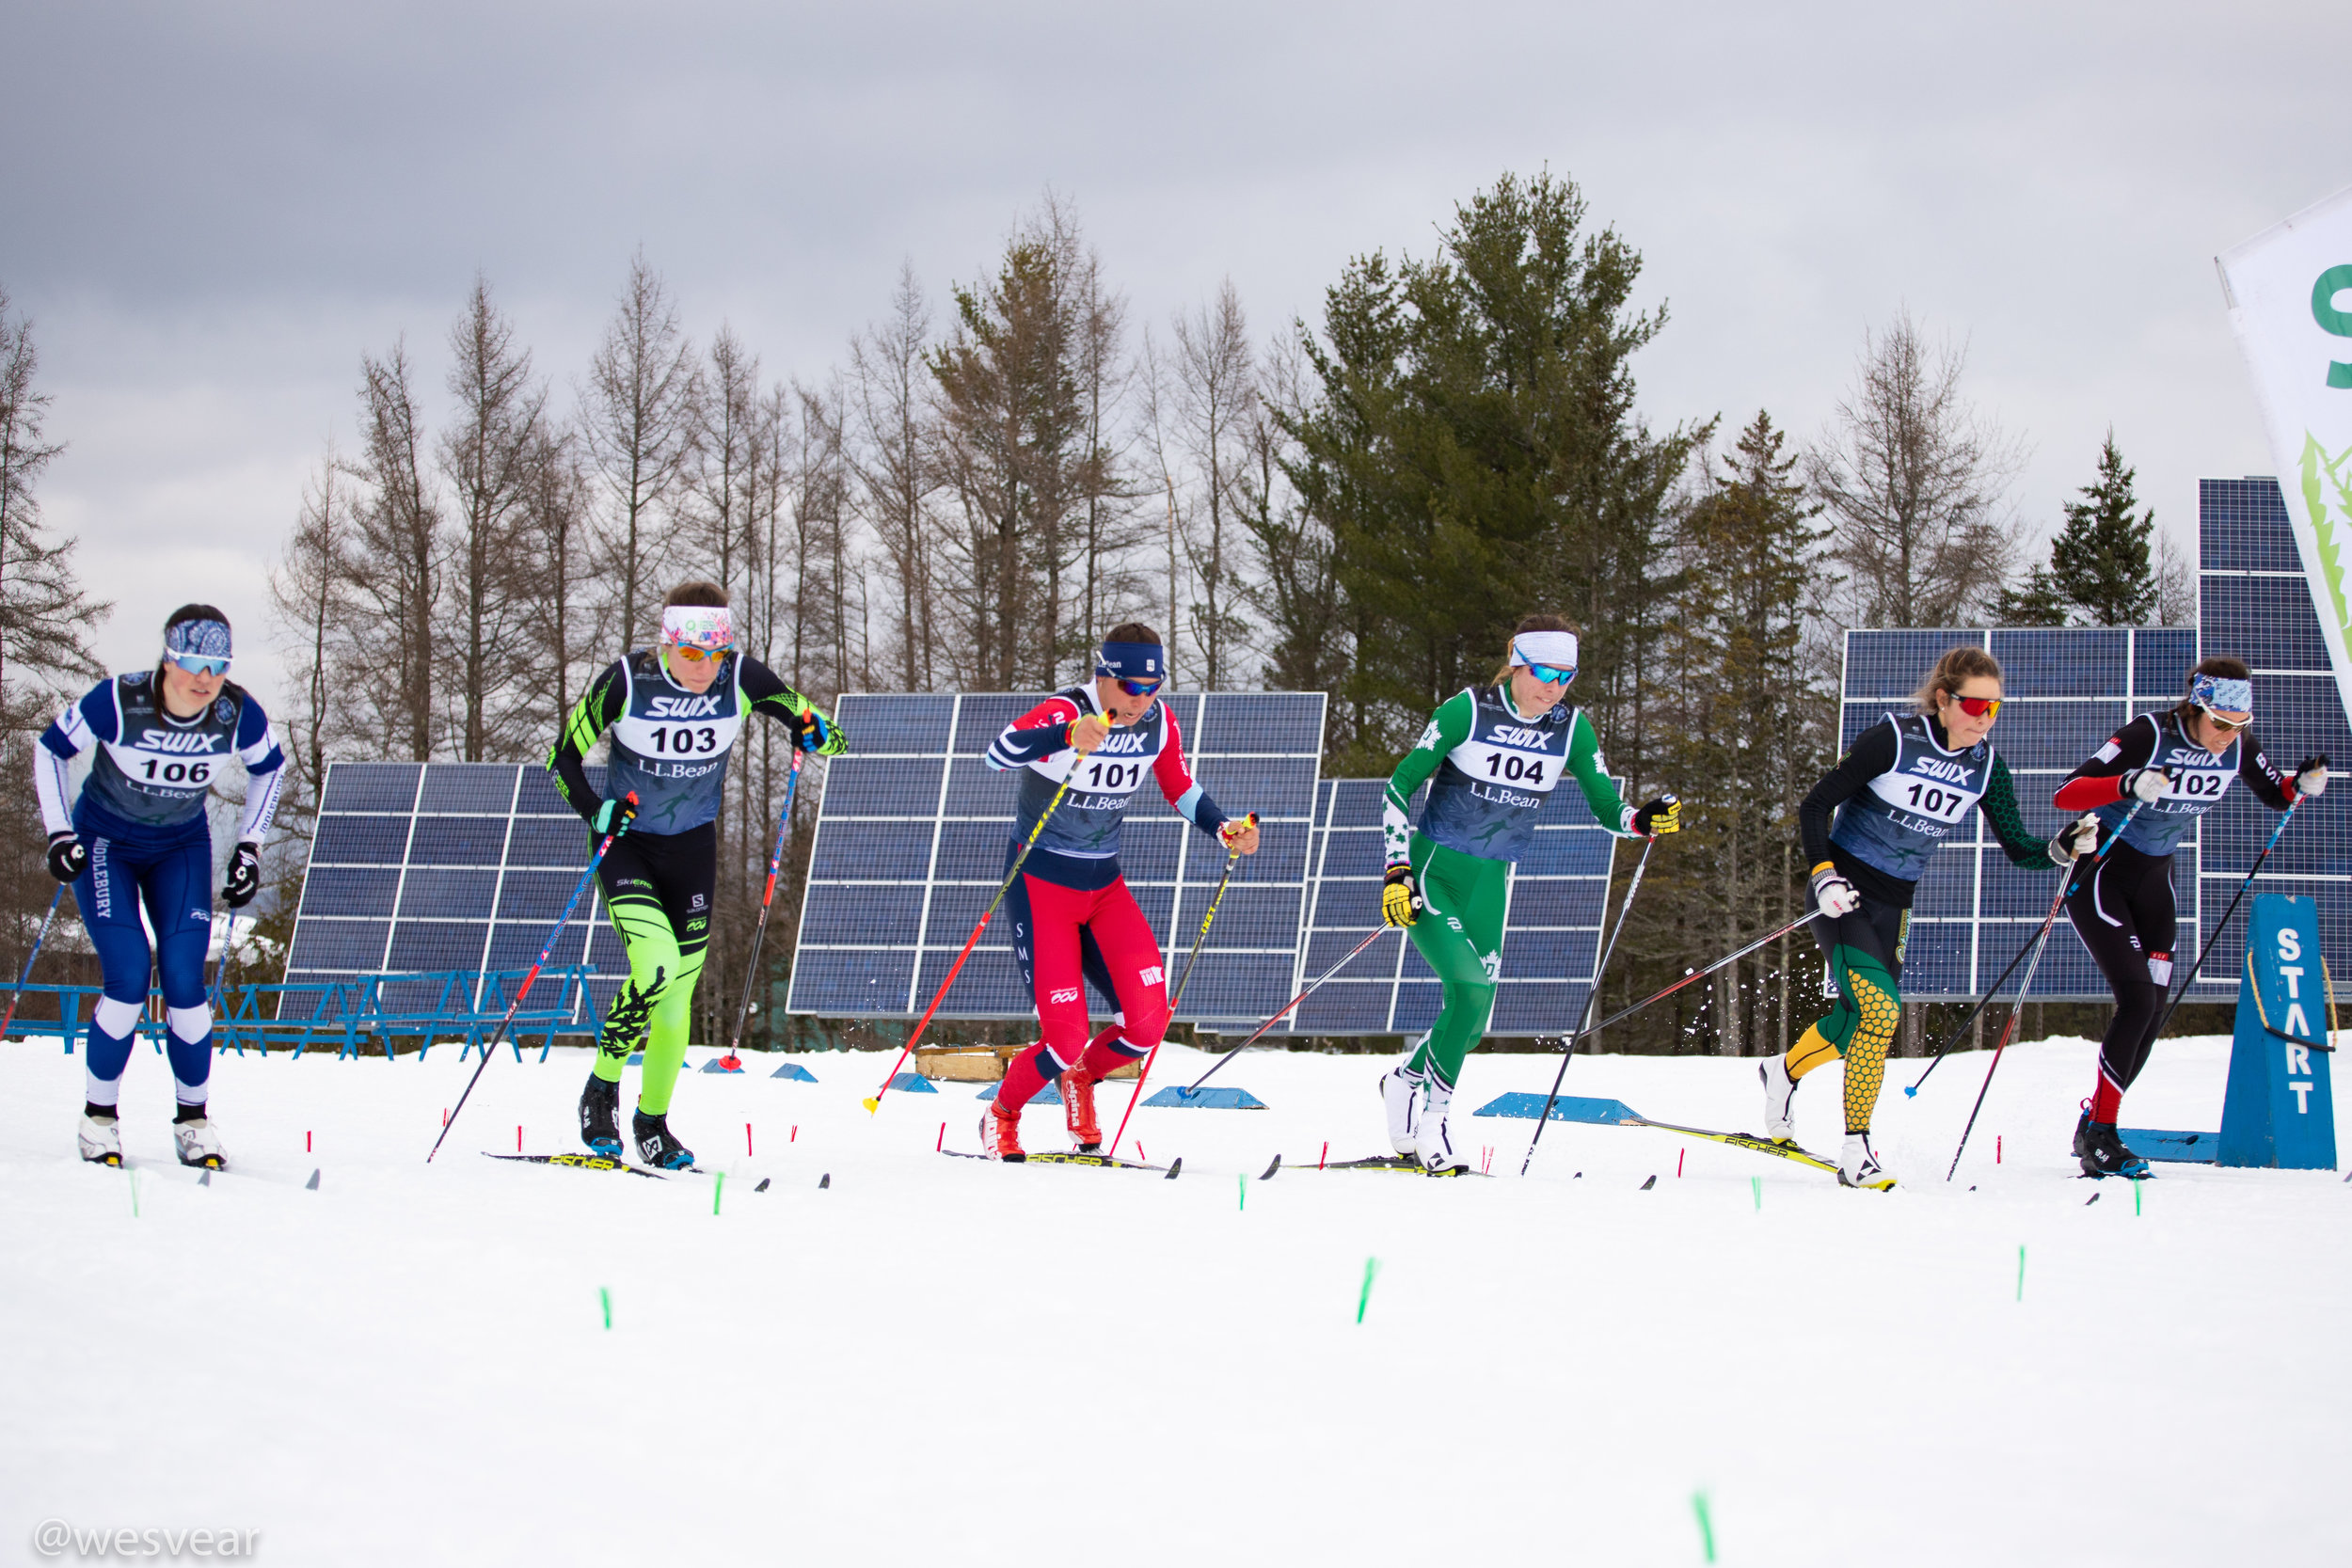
(198, 664)
(1552, 675)
(1976, 707)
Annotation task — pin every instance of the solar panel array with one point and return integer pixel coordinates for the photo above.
(1551, 935)
(913, 831)
(2256, 605)
(446, 865)
(2066, 690)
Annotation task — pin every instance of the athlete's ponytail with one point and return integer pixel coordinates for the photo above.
(1957, 667)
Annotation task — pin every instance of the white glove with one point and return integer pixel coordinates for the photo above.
(1834, 895)
(2312, 778)
(2148, 784)
(2080, 837)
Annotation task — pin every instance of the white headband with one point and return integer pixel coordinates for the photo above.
(706, 626)
(1555, 648)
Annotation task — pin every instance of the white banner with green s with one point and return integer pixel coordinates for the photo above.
(2290, 296)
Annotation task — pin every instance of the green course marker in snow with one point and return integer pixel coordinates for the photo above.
(1364, 1299)
(604, 1298)
(718, 1189)
(1756, 1184)
(1707, 1525)
(135, 1194)
(2135, 1188)
(1241, 1185)
(2021, 1271)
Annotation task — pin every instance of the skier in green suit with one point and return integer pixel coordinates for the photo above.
(1490, 755)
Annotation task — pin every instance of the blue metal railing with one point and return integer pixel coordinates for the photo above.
(425, 1005)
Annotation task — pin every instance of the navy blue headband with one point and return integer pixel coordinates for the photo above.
(1132, 661)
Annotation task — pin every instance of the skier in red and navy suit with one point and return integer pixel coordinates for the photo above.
(1074, 919)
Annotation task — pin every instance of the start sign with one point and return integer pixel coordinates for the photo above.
(2279, 1109)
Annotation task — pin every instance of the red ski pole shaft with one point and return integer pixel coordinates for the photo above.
(1231, 858)
(531, 974)
(874, 1104)
(766, 901)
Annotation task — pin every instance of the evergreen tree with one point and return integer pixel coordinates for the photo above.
(1476, 453)
(2037, 601)
(2101, 563)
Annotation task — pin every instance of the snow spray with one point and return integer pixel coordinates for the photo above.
(604, 1299)
(1707, 1524)
(1363, 1297)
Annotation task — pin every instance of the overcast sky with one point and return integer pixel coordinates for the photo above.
(211, 212)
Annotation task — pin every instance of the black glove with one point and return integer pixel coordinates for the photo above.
(1662, 815)
(67, 857)
(245, 876)
(615, 817)
(822, 736)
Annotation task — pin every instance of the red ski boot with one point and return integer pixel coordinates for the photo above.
(1000, 1134)
(1077, 1108)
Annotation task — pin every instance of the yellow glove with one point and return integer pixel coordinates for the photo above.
(1662, 815)
(1400, 899)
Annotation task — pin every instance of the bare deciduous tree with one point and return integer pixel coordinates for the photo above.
(44, 615)
(487, 455)
(1213, 401)
(396, 564)
(1915, 483)
(639, 419)
(892, 464)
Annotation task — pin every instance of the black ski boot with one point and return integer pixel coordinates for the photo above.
(2103, 1153)
(656, 1145)
(600, 1117)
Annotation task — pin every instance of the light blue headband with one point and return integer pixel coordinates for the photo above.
(2221, 693)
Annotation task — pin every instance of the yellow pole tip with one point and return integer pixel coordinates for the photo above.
(871, 1105)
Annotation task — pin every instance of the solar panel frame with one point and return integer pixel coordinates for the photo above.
(447, 865)
(923, 825)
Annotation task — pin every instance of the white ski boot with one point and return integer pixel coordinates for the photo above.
(199, 1144)
(1858, 1168)
(102, 1140)
(1401, 1095)
(1430, 1142)
(1779, 1091)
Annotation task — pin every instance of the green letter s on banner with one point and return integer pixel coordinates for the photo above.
(2323, 311)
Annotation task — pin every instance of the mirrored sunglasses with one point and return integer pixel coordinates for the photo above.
(1139, 689)
(198, 664)
(693, 655)
(1977, 707)
(2232, 725)
(1552, 675)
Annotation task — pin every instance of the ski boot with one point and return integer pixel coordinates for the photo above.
(101, 1138)
(600, 1117)
(1431, 1142)
(1401, 1096)
(2103, 1153)
(656, 1145)
(198, 1144)
(1857, 1166)
(1000, 1134)
(1078, 1109)
(1780, 1091)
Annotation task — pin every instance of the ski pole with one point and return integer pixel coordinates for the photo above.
(874, 1103)
(1233, 858)
(524, 990)
(1312, 987)
(767, 897)
(9, 1017)
(2068, 887)
(1993, 990)
(1591, 999)
(2285, 817)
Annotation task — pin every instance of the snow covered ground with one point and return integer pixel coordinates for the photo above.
(942, 1360)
